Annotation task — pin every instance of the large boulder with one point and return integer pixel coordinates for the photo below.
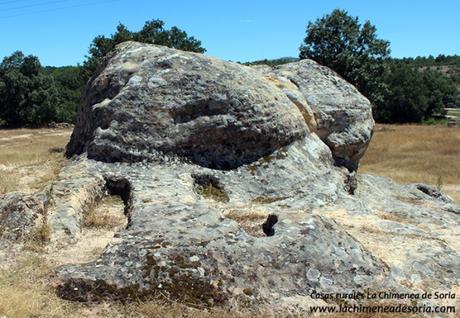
(150, 100)
(343, 116)
(231, 194)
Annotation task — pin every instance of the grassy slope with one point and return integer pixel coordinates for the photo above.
(26, 162)
(453, 112)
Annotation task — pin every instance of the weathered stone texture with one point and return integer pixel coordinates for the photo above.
(203, 151)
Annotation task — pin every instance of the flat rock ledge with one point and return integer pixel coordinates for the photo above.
(211, 249)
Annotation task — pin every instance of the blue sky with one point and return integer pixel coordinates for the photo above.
(60, 31)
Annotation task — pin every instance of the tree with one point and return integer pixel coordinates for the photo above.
(353, 50)
(400, 91)
(414, 94)
(440, 90)
(68, 84)
(153, 32)
(27, 97)
(405, 101)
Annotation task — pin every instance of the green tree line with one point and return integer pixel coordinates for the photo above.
(401, 90)
(33, 95)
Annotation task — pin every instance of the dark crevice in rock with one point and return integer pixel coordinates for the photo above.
(198, 109)
(294, 82)
(268, 226)
(351, 183)
(344, 162)
(206, 179)
(206, 158)
(120, 186)
(432, 192)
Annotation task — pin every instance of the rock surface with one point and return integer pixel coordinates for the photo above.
(150, 99)
(19, 215)
(22, 222)
(208, 257)
(343, 116)
(202, 250)
(203, 152)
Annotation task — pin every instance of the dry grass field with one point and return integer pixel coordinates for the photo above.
(31, 158)
(414, 153)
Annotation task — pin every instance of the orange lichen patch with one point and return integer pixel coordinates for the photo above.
(299, 100)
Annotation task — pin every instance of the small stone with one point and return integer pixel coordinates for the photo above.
(325, 282)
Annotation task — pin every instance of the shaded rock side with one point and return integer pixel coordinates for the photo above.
(151, 100)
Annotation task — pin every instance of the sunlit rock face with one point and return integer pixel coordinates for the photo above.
(343, 116)
(151, 99)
